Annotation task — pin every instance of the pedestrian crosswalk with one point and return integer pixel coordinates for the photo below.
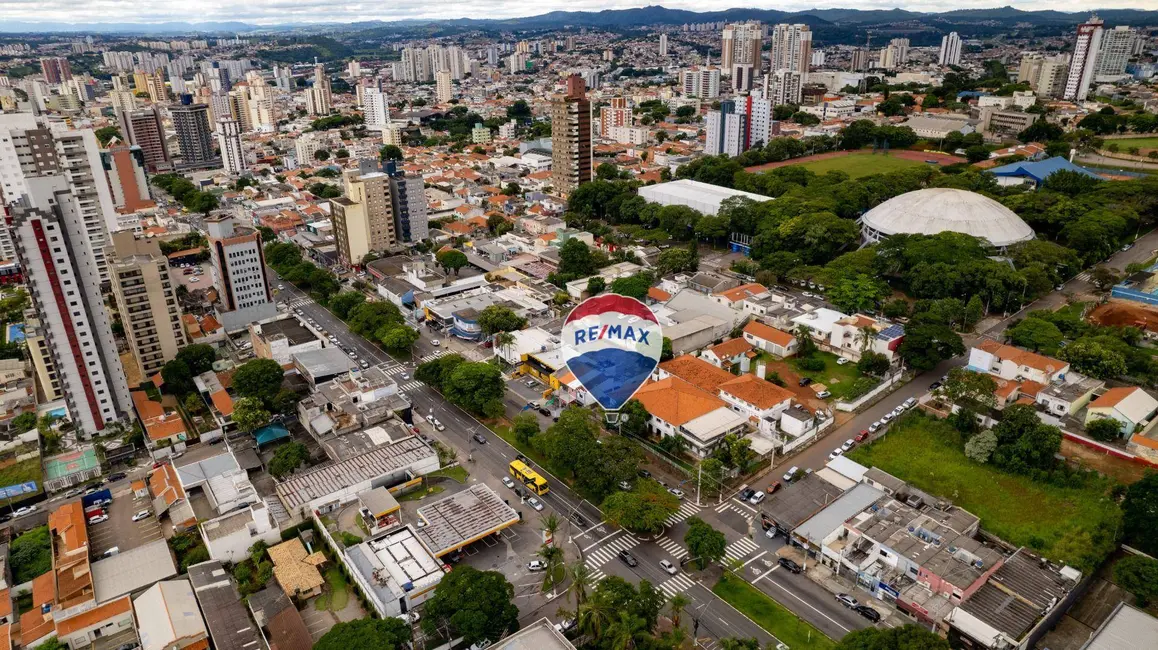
(432, 356)
(394, 370)
(678, 583)
(687, 509)
(410, 385)
(740, 548)
(300, 302)
(600, 556)
(672, 547)
(1084, 276)
(742, 510)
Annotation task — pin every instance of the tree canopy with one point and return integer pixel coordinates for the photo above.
(477, 605)
(366, 634)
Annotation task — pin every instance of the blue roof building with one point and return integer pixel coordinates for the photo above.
(1035, 173)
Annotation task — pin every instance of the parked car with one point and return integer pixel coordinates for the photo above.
(75, 492)
(435, 342)
(116, 476)
(887, 417)
(99, 519)
(862, 436)
(935, 385)
(847, 601)
(643, 473)
(824, 394)
(678, 493)
(144, 514)
(746, 494)
(536, 565)
(478, 437)
(773, 486)
(804, 381)
(867, 612)
(668, 567)
(624, 485)
(848, 444)
(910, 403)
(843, 360)
(566, 625)
(411, 617)
(111, 552)
(438, 426)
(535, 503)
(628, 558)
(874, 426)
(757, 498)
(363, 364)
(789, 474)
(26, 510)
(834, 453)
(523, 459)
(790, 565)
(897, 411)
(508, 482)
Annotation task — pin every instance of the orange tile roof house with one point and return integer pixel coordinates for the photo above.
(1129, 405)
(728, 353)
(679, 408)
(1009, 362)
(770, 340)
(732, 297)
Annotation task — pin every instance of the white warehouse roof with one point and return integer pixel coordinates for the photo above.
(936, 210)
(696, 195)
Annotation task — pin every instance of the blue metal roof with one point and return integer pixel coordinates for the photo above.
(1040, 170)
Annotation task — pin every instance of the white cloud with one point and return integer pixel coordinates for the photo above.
(311, 11)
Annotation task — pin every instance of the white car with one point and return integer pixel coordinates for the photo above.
(508, 482)
(144, 514)
(26, 510)
(757, 499)
(435, 342)
(823, 395)
(438, 425)
(835, 452)
(668, 567)
(535, 503)
(898, 410)
(194, 279)
(843, 360)
(536, 565)
(97, 519)
(847, 444)
(678, 493)
(280, 287)
(910, 403)
(887, 417)
(405, 376)
(430, 419)
(874, 426)
(409, 617)
(363, 364)
(788, 475)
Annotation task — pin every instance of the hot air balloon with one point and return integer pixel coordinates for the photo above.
(612, 344)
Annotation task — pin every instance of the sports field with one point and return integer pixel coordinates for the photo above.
(1141, 143)
(861, 164)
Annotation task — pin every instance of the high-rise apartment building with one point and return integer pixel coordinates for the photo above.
(55, 69)
(858, 60)
(1083, 63)
(784, 87)
(125, 170)
(950, 49)
(191, 121)
(364, 218)
(726, 130)
(443, 86)
(375, 108)
(229, 143)
(613, 115)
(146, 299)
(55, 246)
(742, 43)
(701, 81)
(663, 44)
(518, 62)
(761, 125)
(40, 353)
(238, 265)
(155, 86)
(408, 201)
(571, 153)
(791, 48)
(743, 77)
(894, 54)
(318, 98)
(144, 129)
(1117, 48)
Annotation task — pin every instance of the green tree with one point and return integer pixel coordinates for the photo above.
(388, 633)
(634, 286)
(677, 260)
(260, 378)
(1140, 514)
(287, 458)
(342, 303)
(525, 426)
(980, 447)
(452, 260)
(873, 363)
(499, 318)
(857, 294)
(177, 378)
(107, 133)
(399, 337)
(30, 554)
(926, 345)
(633, 417)
(198, 356)
(23, 422)
(436, 371)
(977, 153)
(1105, 429)
(477, 388)
(1139, 576)
(643, 509)
(1090, 357)
(906, 637)
(705, 544)
(595, 285)
(1036, 334)
(249, 414)
(575, 259)
(971, 389)
(390, 152)
(477, 605)
(1025, 443)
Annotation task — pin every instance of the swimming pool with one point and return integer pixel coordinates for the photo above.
(16, 332)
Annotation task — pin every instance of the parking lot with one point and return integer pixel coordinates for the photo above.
(193, 281)
(120, 531)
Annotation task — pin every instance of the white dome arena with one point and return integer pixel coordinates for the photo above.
(937, 210)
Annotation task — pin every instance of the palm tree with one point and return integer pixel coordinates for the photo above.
(553, 556)
(677, 604)
(626, 631)
(865, 336)
(504, 340)
(594, 617)
(580, 582)
(550, 524)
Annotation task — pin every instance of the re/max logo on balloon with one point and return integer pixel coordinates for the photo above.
(612, 332)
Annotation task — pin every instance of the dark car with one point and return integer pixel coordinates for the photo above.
(523, 459)
(867, 612)
(478, 437)
(746, 494)
(804, 381)
(643, 473)
(628, 558)
(545, 411)
(790, 565)
(935, 385)
(116, 477)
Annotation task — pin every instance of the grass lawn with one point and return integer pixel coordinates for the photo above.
(337, 592)
(1125, 143)
(430, 491)
(928, 453)
(20, 472)
(861, 164)
(838, 379)
(457, 473)
(770, 615)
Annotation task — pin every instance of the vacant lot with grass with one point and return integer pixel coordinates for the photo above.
(13, 472)
(836, 378)
(770, 615)
(1124, 144)
(926, 452)
(860, 164)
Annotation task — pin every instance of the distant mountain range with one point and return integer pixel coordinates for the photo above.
(613, 18)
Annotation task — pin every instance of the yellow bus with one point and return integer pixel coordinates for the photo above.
(528, 477)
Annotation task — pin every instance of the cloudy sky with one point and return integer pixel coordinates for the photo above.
(291, 11)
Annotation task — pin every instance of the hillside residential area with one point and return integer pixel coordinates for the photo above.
(284, 290)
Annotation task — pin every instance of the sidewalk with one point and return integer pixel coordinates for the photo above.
(835, 584)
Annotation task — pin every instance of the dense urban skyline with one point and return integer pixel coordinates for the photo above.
(282, 12)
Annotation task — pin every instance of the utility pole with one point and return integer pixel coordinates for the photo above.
(699, 483)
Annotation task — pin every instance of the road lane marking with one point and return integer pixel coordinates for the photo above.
(602, 540)
(806, 603)
(754, 559)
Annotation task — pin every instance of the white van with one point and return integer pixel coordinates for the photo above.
(788, 475)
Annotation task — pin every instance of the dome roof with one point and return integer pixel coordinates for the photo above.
(937, 210)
